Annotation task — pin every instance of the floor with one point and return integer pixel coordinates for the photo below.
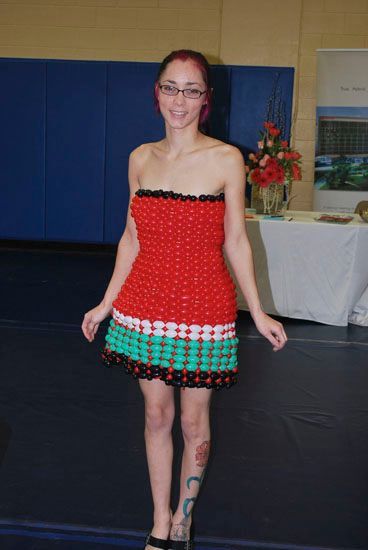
(289, 457)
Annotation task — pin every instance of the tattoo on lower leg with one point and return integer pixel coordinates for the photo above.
(189, 502)
(201, 457)
(187, 506)
(194, 478)
(180, 531)
(202, 452)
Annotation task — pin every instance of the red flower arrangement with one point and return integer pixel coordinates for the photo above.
(275, 161)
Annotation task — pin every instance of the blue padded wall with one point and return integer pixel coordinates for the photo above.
(22, 146)
(131, 120)
(75, 145)
(221, 100)
(249, 96)
(69, 127)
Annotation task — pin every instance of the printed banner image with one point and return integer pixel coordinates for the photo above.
(341, 155)
(341, 149)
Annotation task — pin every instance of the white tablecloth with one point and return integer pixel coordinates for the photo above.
(311, 270)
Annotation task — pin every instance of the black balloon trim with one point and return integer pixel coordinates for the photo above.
(179, 196)
(171, 377)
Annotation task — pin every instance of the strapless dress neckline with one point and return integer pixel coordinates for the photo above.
(144, 192)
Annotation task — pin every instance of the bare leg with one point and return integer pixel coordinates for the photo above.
(159, 417)
(195, 405)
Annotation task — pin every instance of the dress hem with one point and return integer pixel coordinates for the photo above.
(172, 377)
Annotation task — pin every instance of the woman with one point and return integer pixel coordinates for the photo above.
(171, 296)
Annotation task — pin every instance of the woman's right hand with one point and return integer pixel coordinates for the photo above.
(92, 320)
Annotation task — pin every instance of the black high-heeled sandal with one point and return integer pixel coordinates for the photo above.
(156, 543)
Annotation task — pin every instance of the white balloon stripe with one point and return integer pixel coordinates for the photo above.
(170, 329)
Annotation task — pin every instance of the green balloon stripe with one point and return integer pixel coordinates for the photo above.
(220, 354)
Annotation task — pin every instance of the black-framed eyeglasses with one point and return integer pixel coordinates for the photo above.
(192, 93)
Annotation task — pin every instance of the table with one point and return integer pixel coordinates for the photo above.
(310, 270)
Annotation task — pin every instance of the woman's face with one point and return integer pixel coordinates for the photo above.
(179, 111)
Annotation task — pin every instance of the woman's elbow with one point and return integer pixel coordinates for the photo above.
(238, 243)
(128, 240)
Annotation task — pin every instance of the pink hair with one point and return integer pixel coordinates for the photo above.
(203, 66)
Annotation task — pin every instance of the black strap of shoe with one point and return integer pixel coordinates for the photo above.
(157, 543)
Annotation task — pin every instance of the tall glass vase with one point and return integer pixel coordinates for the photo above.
(267, 200)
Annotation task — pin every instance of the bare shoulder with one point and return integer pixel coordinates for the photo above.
(137, 159)
(230, 155)
(229, 164)
(224, 153)
(147, 148)
(141, 153)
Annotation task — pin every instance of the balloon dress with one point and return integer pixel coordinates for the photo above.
(174, 316)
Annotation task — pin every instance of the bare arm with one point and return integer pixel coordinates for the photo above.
(127, 251)
(237, 246)
(238, 249)
(128, 246)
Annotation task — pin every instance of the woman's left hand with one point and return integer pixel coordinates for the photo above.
(271, 329)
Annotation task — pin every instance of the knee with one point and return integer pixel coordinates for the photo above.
(158, 418)
(195, 427)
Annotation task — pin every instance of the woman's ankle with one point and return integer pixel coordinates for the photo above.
(162, 516)
(162, 525)
(180, 528)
